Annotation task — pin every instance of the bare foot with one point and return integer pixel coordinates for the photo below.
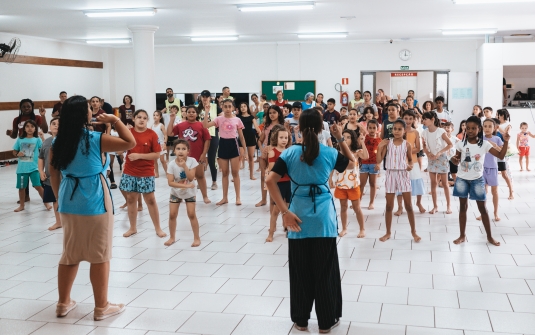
(459, 240)
(156, 176)
(169, 242)
(253, 178)
(371, 206)
(493, 241)
(222, 202)
(448, 211)
(496, 217)
(123, 206)
(385, 238)
(160, 233)
(416, 237)
(130, 232)
(433, 211)
(478, 218)
(521, 170)
(528, 169)
(20, 208)
(55, 226)
(511, 196)
(140, 208)
(260, 204)
(207, 201)
(398, 212)
(342, 233)
(48, 207)
(269, 238)
(421, 208)
(196, 243)
(362, 234)
(238, 202)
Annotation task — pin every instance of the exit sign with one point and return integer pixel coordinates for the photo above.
(404, 68)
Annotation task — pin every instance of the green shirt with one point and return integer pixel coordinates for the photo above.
(260, 116)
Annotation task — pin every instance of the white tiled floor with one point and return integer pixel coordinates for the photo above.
(235, 283)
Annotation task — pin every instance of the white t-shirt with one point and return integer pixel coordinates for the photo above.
(472, 159)
(324, 136)
(503, 126)
(180, 177)
(167, 118)
(452, 151)
(444, 116)
(434, 140)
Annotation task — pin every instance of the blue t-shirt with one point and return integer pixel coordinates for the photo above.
(81, 191)
(317, 213)
(30, 147)
(308, 106)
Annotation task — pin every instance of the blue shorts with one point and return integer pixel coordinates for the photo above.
(368, 168)
(137, 184)
(473, 188)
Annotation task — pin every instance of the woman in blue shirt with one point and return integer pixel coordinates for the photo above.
(309, 101)
(312, 254)
(84, 201)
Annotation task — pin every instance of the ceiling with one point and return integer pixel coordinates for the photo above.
(179, 19)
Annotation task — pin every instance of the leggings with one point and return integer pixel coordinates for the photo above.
(212, 152)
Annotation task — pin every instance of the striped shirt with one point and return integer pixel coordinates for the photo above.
(396, 159)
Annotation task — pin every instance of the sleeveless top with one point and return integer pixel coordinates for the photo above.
(158, 131)
(81, 191)
(273, 160)
(396, 158)
(212, 114)
(411, 139)
(349, 179)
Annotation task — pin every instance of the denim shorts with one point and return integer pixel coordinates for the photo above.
(137, 184)
(368, 168)
(474, 189)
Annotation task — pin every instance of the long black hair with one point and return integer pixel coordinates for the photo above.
(354, 139)
(246, 105)
(35, 133)
(32, 115)
(433, 115)
(92, 106)
(311, 124)
(477, 121)
(72, 129)
(505, 113)
(280, 118)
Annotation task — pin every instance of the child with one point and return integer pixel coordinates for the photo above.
(477, 111)
(199, 140)
(26, 148)
(470, 182)
(487, 113)
(490, 165)
(503, 164)
(230, 130)
(420, 129)
(393, 115)
(436, 145)
(415, 175)
(173, 109)
(344, 119)
(347, 182)
(368, 115)
(278, 143)
(138, 174)
(44, 163)
(159, 128)
(505, 120)
(398, 164)
(367, 169)
(312, 230)
(448, 128)
(522, 143)
(250, 132)
(462, 128)
(180, 177)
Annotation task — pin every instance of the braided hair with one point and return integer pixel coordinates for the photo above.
(477, 121)
(32, 115)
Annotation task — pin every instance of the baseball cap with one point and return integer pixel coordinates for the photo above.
(297, 104)
(205, 93)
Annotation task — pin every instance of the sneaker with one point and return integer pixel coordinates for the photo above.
(108, 311)
(64, 309)
(214, 186)
(326, 331)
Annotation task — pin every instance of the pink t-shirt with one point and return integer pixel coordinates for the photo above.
(228, 127)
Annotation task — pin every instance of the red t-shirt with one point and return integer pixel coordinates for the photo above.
(274, 159)
(98, 127)
(146, 142)
(372, 143)
(20, 126)
(57, 107)
(195, 134)
(281, 103)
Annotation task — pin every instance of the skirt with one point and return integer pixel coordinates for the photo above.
(439, 165)
(228, 148)
(88, 238)
(250, 139)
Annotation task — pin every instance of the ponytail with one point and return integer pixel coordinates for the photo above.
(310, 123)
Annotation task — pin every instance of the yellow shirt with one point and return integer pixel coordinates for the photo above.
(212, 116)
(176, 102)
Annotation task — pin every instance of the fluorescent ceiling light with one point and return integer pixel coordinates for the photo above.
(109, 41)
(331, 35)
(214, 38)
(518, 36)
(118, 12)
(276, 6)
(463, 2)
(470, 32)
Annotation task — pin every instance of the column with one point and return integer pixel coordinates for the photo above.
(144, 77)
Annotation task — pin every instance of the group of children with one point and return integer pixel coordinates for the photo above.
(395, 143)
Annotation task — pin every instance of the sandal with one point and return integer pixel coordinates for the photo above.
(326, 331)
(300, 328)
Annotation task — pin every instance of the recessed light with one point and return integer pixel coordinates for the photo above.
(463, 2)
(488, 31)
(118, 12)
(276, 6)
(213, 38)
(327, 35)
(109, 41)
(518, 36)
(348, 17)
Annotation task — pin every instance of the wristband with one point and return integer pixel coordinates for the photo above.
(113, 125)
(340, 140)
(284, 213)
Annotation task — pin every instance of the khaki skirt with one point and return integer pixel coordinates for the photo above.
(88, 238)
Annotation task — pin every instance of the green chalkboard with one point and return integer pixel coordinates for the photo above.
(301, 88)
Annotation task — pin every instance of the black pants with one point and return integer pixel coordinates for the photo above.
(314, 277)
(212, 154)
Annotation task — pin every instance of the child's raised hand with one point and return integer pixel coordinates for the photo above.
(506, 135)
(336, 130)
(42, 111)
(107, 118)
(383, 142)
(9, 132)
(181, 163)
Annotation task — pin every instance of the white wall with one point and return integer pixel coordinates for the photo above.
(462, 108)
(44, 82)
